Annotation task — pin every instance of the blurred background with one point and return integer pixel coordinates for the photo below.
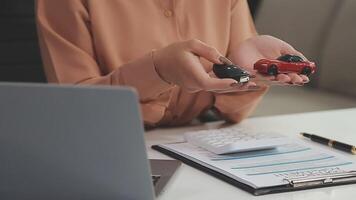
(324, 30)
(19, 50)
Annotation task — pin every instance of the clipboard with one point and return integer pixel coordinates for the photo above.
(293, 184)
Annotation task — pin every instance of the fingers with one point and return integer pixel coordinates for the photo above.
(203, 50)
(224, 85)
(288, 49)
(305, 78)
(283, 78)
(212, 84)
(246, 87)
(300, 55)
(296, 79)
(292, 78)
(234, 87)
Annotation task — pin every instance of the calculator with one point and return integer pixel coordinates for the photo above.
(233, 140)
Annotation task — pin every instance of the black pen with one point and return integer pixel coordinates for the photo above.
(331, 143)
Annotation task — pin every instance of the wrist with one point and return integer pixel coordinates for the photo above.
(141, 74)
(153, 57)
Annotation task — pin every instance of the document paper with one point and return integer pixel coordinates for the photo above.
(271, 167)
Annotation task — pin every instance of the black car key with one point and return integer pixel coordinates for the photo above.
(231, 71)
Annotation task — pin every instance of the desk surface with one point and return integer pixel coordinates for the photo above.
(189, 183)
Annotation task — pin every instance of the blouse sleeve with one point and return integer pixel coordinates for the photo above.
(69, 56)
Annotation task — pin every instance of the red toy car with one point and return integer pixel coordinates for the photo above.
(285, 64)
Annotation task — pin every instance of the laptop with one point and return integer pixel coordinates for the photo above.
(72, 142)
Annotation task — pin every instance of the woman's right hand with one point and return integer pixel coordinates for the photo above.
(179, 64)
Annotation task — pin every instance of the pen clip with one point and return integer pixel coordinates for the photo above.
(322, 179)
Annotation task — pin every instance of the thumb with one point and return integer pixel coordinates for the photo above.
(288, 49)
(203, 50)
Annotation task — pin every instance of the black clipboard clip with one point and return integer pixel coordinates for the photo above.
(333, 178)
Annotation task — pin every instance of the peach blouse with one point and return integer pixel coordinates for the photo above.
(109, 42)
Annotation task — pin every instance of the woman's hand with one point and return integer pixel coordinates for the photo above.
(259, 47)
(179, 64)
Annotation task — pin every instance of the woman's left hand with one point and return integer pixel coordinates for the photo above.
(264, 46)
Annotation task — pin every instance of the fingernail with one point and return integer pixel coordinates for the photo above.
(225, 60)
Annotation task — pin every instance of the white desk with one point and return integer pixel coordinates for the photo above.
(190, 183)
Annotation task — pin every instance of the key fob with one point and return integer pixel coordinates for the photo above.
(231, 71)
